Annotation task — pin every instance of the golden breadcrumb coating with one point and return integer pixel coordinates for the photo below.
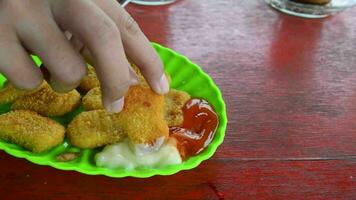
(9, 93)
(174, 103)
(142, 120)
(30, 130)
(143, 115)
(92, 100)
(90, 81)
(94, 129)
(47, 102)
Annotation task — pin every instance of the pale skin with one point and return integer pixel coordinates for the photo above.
(66, 34)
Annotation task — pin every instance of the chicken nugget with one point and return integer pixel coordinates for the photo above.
(90, 81)
(174, 102)
(30, 130)
(92, 100)
(142, 120)
(143, 116)
(9, 93)
(95, 128)
(47, 102)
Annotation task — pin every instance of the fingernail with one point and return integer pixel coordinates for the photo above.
(116, 106)
(162, 86)
(134, 77)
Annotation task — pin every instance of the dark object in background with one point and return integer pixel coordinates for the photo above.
(319, 2)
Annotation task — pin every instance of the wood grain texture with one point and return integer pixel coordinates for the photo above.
(290, 88)
(216, 179)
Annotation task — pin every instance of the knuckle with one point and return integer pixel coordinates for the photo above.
(130, 25)
(106, 30)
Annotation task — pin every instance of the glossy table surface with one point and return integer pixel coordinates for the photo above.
(290, 88)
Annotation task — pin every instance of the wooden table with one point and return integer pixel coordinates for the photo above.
(290, 88)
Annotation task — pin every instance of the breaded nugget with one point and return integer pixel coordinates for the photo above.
(174, 102)
(94, 129)
(92, 100)
(9, 93)
(143, 116)
(47, 102)
(30, 130)
(90, 81)
(142, 120)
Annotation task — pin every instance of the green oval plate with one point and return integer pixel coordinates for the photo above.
(186, 76)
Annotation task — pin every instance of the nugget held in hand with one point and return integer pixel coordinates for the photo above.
(30, 130)
(143, 116)
(174, 102)
(47, 102)
(90, 81)
(94, 129)
(142, 120)
(9, 93)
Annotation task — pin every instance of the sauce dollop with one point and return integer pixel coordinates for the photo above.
(198, 129)
(121, 155)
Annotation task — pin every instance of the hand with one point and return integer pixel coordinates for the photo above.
(100, 29)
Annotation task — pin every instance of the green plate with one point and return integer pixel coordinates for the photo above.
(185, 76)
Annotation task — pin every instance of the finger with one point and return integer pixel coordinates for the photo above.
(42, 36)
(18, 67)
(102, 38)
(77, 44)
(137, 46)
(87, 56)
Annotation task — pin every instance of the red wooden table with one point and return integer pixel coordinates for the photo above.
(290, 88)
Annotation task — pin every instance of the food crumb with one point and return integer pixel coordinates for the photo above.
(68, 156)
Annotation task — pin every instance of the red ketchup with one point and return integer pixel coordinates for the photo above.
(198, 129)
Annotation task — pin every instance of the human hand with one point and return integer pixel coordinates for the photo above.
(101, 30)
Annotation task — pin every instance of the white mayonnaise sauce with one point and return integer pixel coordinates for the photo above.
(122, 155)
